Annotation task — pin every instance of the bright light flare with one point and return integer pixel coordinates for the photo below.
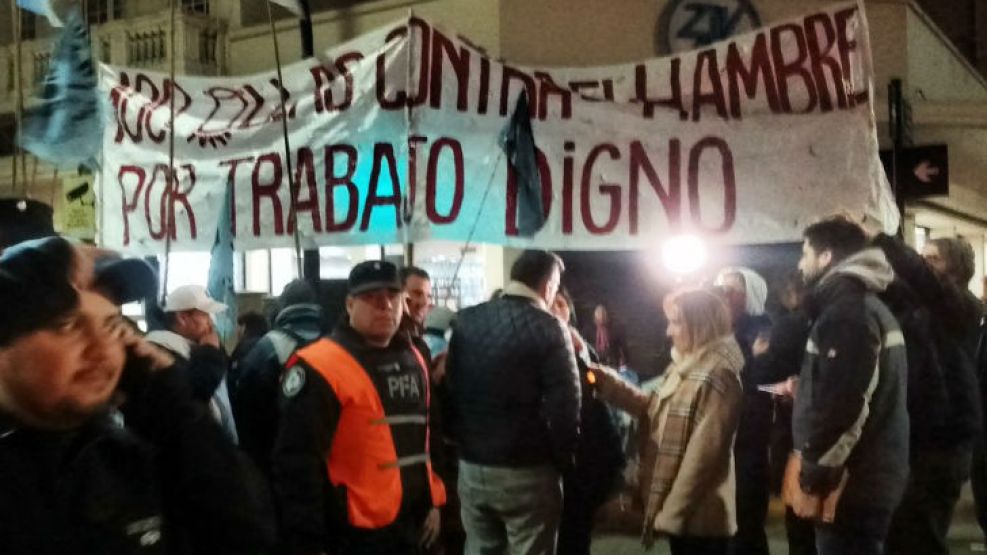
(684, 254)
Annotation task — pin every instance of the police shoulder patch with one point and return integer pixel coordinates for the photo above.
(293, 381)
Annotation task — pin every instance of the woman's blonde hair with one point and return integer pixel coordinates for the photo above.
(704, 315)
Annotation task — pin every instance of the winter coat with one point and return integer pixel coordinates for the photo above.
(782, 360)
(850, 413)
(314, 510)
(940, 323)
(259, 386)
(169, 482)
(686, 480)
(513, 383)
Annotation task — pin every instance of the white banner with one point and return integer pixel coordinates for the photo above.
(394, 138)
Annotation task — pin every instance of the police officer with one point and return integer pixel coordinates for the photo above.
(351, 462)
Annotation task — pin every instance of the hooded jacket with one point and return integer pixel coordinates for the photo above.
(259, 387)
(753, 434)
(850, 413)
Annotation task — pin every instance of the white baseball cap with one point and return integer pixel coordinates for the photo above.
(192, 297)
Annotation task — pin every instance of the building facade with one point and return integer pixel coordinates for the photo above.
(938, 53)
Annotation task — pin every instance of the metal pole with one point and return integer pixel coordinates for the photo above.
(292, 186)
(19, 91)
(311, 263)
(172, 178)
(896, 123)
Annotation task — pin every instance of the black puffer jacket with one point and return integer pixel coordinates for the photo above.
(514, 385)
(850, 412)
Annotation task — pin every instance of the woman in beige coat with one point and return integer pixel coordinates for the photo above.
(686, 477)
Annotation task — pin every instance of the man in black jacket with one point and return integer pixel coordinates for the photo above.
(298, 323)
(515, 393)
(352, 468)
(850, 422)
(943, 398)
(102, 448)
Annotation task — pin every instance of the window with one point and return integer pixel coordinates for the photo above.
(195, 6)
(29, 25)
(105, 49)
(98, 11)
(185, 268)
(8, 130)
(41, 63)
(921, 237)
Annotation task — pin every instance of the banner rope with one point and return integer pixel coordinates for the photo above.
(476, 221)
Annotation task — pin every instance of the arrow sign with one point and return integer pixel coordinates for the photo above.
(923, 171)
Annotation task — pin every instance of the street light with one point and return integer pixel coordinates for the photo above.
(683, 254)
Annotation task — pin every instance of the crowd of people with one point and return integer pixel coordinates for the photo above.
(406, 428)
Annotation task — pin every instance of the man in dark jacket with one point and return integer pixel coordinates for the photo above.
(746, 293)
(102, 448)
(850, 422)
(944, 403)
(297, 324)
(351, 462)
(515, 393)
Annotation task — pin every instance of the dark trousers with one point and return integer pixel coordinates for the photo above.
(690, 545)
(832, 540)
(753, 481)
(858, 530)
(576, 526)
(360, 542)
(801, 534)
(978, 483)
(922, 520)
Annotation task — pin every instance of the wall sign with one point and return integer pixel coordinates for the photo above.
(691, 24)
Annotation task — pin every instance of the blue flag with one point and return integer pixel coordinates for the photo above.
(66, 128)
(41, 7)
(518, 143)
(220, 282)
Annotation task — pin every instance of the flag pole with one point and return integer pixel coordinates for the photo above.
(172, 181)
(292, 185)
(310, 266)
(19, 92)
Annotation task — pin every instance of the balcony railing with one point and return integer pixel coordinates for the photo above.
(143, 42)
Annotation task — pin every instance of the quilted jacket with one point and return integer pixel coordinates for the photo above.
(514, 384)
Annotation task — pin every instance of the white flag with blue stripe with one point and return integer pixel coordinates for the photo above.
(220, 281)
(66, 126)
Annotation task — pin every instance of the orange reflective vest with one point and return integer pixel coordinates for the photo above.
(362, 457)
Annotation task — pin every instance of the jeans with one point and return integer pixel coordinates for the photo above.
(922, 520)
(685, 545)
(512, 511)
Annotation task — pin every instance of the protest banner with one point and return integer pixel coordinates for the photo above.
(394, 139)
